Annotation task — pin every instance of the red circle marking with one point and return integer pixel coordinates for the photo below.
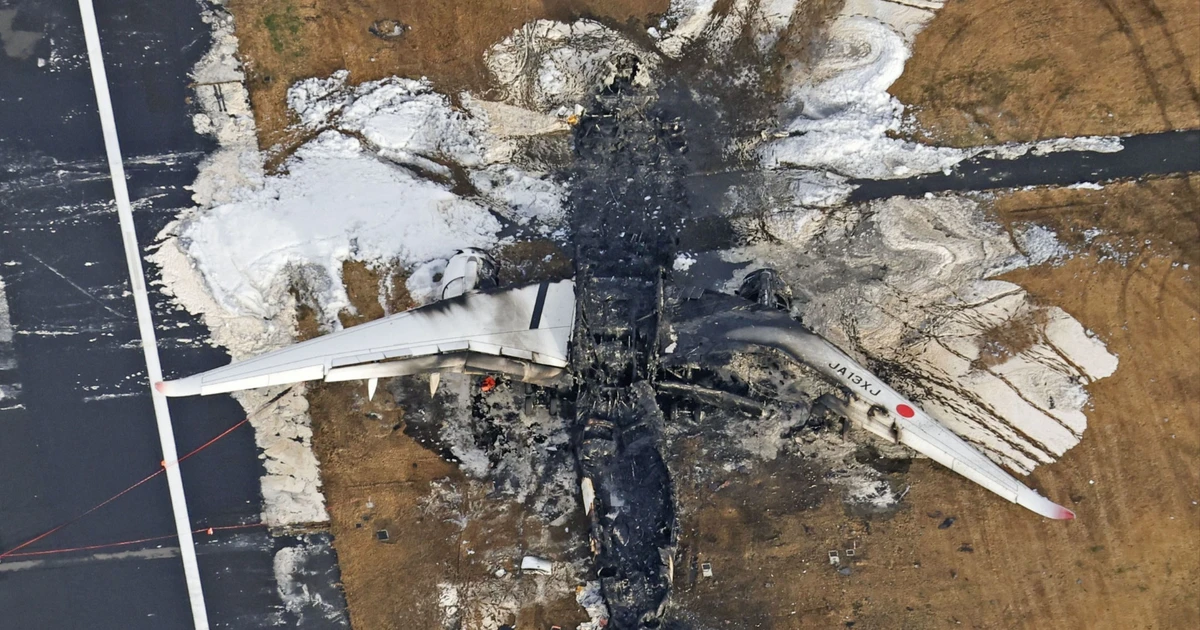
(905, 410)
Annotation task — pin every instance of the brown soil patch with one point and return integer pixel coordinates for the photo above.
(374, 291)
(308, 324)
(986, 72)
(1009, 339)
(366, 460)
(362, 286)
(282, 41)
(533, 261)
(1130, 560)
(1123, 220)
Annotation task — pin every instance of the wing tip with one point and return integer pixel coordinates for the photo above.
(182, 387)
(1031, 500)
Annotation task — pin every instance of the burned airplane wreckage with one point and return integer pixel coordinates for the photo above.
(617, 339)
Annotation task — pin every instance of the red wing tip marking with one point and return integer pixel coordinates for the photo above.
(1065, 514)
(905, 411)
(161, 387)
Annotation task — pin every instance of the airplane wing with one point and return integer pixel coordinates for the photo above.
(522, 331)
(875, 406)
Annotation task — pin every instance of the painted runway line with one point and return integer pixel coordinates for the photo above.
(137, 281)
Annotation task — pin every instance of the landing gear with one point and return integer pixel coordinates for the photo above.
(536, 396)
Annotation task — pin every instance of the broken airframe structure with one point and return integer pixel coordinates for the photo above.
(617, 337)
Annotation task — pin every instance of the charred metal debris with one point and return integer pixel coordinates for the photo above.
(625, 211)
(628, 208)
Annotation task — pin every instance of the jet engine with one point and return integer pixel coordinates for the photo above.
(765, 287)
(468, 270)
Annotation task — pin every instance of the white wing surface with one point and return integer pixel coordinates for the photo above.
(524, 331)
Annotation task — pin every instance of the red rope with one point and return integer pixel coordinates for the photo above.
(25, 554)
(208, 443)
(124, 543)
(161, 470)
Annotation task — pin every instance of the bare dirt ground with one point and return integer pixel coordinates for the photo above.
(1130, 560)
(986, 72)
(282, 41)
(375, 477)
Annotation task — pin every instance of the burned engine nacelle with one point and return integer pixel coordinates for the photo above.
(468, 270)
(767, 288)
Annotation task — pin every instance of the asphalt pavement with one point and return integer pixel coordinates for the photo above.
(76, 422)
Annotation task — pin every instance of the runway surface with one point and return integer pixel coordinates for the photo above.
(75, 413)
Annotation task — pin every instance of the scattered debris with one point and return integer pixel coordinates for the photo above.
(590, 598)
(947, 523)
(536, 566)
(546, 65)
(589, 495)
(387, 29)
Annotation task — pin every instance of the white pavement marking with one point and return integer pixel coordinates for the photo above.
(157, 553)
(137, 280)
(9, 392)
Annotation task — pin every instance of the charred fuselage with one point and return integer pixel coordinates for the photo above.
(627, 205)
